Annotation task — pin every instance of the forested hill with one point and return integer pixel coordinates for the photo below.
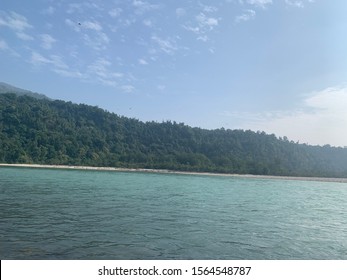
(56, 132)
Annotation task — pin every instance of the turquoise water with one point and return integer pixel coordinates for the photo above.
(69, 214)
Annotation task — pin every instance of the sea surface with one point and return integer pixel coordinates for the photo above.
(73, 214)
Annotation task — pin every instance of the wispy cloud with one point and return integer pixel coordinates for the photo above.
(161, 87)
(203, 23)
(298, 3)
(38, 59)
(116, 12)
(206, 22)
(53, 60)
(73, 25)
(47, 41)
(209, 9)
(68, 73)
(5, 47)
(82, 7)
(14, 21)
(143, 61)
(93, 35)
(260, 3)
(127, 88)
(101, 70)
(23, 36)
(49, 11)
(87, 25)
(148, 23)
(98, 41)
(317, 121)
(17, 23)
(167, 45)
(246, 16)
(180, 12)
(92, 25)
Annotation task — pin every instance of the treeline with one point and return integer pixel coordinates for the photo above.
(58, 132)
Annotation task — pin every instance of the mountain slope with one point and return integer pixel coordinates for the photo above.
(58, 132)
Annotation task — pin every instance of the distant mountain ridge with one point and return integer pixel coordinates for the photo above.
(7, 88)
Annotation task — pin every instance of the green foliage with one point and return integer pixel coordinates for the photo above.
(56, 132)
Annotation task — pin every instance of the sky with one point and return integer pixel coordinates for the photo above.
(278, 66)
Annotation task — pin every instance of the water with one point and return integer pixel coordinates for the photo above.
(69, 214)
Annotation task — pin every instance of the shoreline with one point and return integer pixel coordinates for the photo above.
(166, 171)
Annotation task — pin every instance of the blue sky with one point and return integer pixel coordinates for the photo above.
(278, 66)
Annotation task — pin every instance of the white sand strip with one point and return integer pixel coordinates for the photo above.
(165, 171)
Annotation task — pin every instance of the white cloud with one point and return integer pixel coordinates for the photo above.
(161, 87)
(39, 60)
(148, 22)
(17, 23)
(298, 3)
(321, 120)
(92, 25)
(57, 61)
(205, 21)
(47, 41)
(73, 25)
(167, 46)
(180, 12)
(49, 11)
(5, 47)
(101, 71)
(98, 42)
(210, 9)
(83, 7)
(25, 37)
(195, 30)
(203, 38)
(14, 21)
(93, 36)
(259, 3)
(68, 73)
(116, 12)
(246, 16)
(143, 61)
(74, 7)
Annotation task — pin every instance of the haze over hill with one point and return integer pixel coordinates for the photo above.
(7, 88)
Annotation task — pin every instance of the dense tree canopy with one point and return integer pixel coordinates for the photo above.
(57, 132)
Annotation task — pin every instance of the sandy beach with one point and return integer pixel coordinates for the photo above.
(165, 171)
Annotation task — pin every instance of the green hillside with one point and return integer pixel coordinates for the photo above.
(56, 132)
